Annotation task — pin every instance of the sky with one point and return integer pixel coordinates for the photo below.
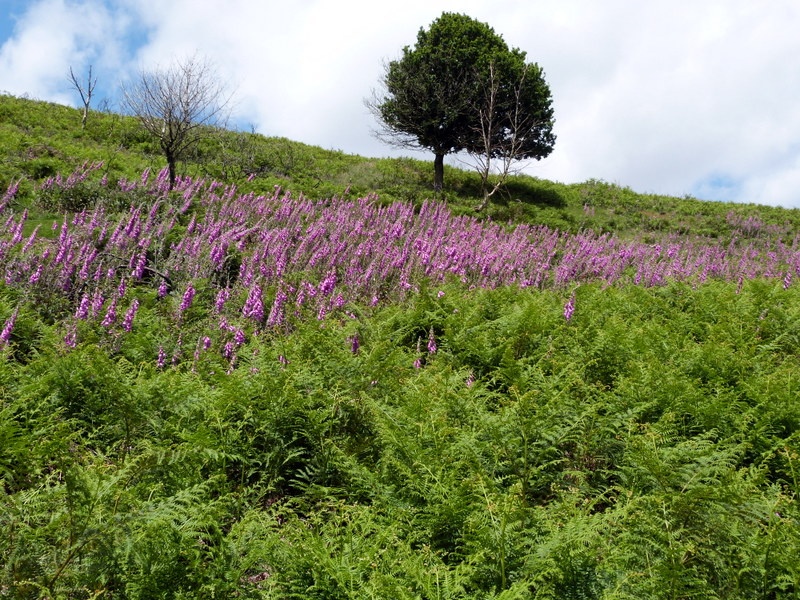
(675, 97)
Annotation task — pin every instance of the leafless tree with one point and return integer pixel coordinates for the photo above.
(85, 92)
(178, 105)
(503, 129)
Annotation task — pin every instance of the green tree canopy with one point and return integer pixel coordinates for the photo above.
(436, 94)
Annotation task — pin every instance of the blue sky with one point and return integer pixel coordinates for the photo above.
(675, 97)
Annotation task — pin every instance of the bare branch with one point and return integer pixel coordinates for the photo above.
(178, 105)
(85, 92)
(501, 128)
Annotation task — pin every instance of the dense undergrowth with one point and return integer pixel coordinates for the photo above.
(237, 391)
(647, 447)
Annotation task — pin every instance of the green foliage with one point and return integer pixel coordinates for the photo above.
(438, 95)
(646, 448)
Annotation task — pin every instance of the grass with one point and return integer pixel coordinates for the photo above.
(39, 139)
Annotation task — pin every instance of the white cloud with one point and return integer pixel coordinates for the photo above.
(52, 36)
(668, 96)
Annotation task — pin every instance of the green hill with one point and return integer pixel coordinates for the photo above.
(294, 375)
(40, 139)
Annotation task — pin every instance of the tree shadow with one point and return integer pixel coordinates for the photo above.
(529, 193)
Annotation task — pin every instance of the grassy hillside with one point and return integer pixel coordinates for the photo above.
(233, 390)
(39, 139)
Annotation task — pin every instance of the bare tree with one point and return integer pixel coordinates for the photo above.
(85, 92)
(178, 105)
(511, 127)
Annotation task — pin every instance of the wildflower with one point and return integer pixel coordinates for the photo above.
(470, 380)
(188, 296)
(327, 285)
(222, 297)
(431, 343)
(97, 302)
(111, 314)
(5, 335)
(83, 308)
(127, 322)
(162, 357)
(569, 307)
(276, 313)
(139, 265)
(71, 339)
(30, 241)
(254, 306)
(354, 344)
(36, 275)
(418, 360)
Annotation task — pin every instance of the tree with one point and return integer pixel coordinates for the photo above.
(433, 95)
(178, 105)
(515, 120)
(85, 92)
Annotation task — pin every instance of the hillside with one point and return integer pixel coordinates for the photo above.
(263, 384)
(39, 139)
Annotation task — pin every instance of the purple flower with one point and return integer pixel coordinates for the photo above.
(71, 339)
(83, 308)
(111, 314)
(327, 285)
(569, 307)
(36, 275)
(432, 343)
(222, 298)
(354, 344)
(188, 296)
(162, 357)
(127, 322)
(5, 335)
(254, 306)
(276, 312)
(97, 302)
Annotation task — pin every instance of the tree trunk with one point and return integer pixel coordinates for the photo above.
(171, 166)
(438, 172)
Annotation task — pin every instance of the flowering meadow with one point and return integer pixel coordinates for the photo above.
(210, 393)
(259, 263)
